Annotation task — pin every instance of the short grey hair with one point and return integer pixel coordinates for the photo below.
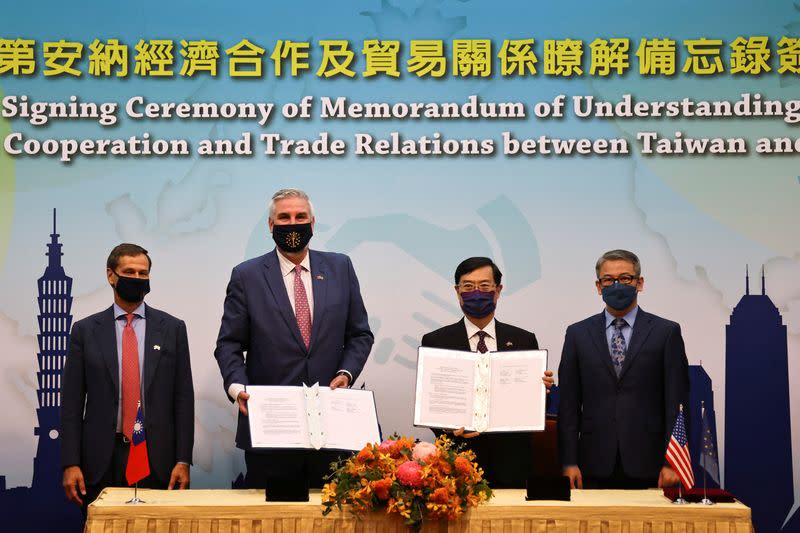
(619, 255)
(289, 193)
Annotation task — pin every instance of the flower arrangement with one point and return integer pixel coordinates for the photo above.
(418, 481)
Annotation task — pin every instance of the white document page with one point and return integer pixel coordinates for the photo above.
(349, 418)
(445, 388)
(277, 417)
(517, 394)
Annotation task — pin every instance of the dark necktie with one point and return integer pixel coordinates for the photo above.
(482, 342)
(301, 309)
(618, 346)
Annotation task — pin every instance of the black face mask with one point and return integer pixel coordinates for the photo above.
(132, 290)
(619, 296)
(292, 238)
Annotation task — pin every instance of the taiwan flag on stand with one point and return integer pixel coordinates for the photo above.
(678, 452)
(138, 465)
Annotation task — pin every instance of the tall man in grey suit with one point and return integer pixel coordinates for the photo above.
(622, 377)
(128, 353)
(299, 316)
(504, 457)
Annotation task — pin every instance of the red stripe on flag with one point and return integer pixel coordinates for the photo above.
(681, 458)
(138, 466)
(678, 457)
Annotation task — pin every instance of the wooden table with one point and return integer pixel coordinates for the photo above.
(245, 511)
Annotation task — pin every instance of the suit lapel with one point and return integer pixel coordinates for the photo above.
(598, 333)
(274, 278)
(107, 335)
(153, 339)
(504, 342)
(319, 287)
(459, 340)
(641, 330)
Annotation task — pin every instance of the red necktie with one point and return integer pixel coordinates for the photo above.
(131, 391)
(301, 309)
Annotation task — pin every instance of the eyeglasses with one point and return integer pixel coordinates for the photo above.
(469, 286)
(625, 279)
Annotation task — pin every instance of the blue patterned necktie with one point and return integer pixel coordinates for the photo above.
(618, 347)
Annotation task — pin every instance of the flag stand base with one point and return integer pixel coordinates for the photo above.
(679, 501)
(706, 501)
(135, 500)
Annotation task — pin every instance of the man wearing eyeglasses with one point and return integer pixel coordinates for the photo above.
(622, 376)
(504, 457)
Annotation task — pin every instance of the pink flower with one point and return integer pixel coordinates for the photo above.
(386, 446)
(424, 452)
(410, 474)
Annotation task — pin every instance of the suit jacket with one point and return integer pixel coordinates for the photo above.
(258, 319)
(90, 395)
(504, 457)
(599, 413)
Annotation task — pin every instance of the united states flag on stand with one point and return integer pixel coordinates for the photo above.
(678, 452)
(138, 464)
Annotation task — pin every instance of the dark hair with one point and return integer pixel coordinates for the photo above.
(474, 263)
(126, 249)
(619, 255)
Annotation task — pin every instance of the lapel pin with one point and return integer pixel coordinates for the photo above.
(509, 343)
(156, 347)
(320, 277)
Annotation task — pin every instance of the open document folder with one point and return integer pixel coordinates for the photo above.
(497, 391)
(311, 417)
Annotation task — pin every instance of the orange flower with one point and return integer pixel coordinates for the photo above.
(440, 495)
(463, 465)
(381, 488)
(365, 455)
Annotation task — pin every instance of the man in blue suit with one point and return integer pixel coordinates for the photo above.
(299, 317)
(622, 377)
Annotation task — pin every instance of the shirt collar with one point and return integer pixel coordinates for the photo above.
(472, 329)
(629, 318)
(120, 312)
(287, 266)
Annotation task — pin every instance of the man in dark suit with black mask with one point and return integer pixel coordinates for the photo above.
(128, 354)
(504, 457)
(622, 377)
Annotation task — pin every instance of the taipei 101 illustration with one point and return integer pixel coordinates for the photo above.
(43, 506)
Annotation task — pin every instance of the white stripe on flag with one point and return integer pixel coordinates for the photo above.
(679, 458)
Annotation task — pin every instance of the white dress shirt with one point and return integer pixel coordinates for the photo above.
(287, 269)
(472, 335)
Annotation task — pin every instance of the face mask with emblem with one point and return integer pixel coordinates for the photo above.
(292, 238)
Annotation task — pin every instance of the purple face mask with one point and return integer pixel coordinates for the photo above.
(478, 304)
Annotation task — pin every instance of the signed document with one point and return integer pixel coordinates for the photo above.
(498, 391)
(311, 417)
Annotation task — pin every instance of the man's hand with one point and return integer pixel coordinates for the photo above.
(574, 475)
(548, 380)
(467, 435)
(340, 381)
(242, 401)
(667, 477)
(179, 477)
(73, 484)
